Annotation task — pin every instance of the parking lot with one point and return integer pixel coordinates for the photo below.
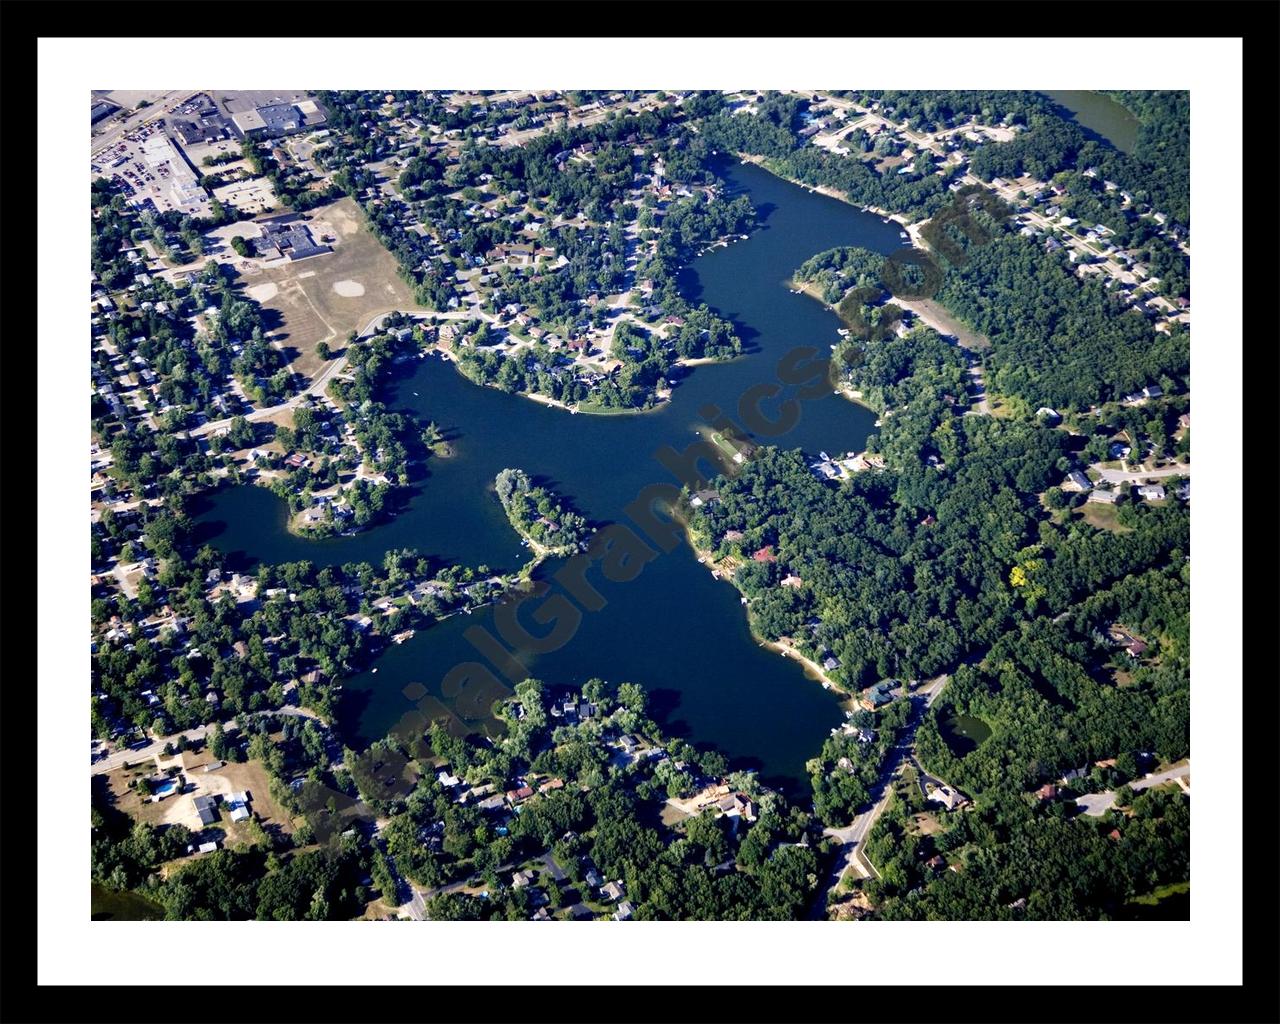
(149, 170)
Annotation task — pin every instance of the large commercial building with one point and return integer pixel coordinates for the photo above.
(200, 121)
(278, 119)
(101, 109)
(286, 236)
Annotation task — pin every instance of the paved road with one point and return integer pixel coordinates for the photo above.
(118, 757)
(334, 368)
(119, 128)
(854, 835)
(1097, 804)
(416, 908)
(553, 867)
(1125, 476)
(557, 121)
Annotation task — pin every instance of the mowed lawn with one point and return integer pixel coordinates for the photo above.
(326, 297)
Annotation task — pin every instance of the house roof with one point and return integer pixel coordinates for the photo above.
(206, 809)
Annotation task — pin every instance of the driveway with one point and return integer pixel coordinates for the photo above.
(1097, 804)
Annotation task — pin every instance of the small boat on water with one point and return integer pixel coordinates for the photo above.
(415, 394)
(375, 670)
(400, 638)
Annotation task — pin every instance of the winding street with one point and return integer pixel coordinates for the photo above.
(852, 837)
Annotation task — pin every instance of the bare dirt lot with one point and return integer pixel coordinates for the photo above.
(325, 297)
(932, 311)
(231, 778)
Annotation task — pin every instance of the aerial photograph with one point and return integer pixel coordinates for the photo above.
(638, 505)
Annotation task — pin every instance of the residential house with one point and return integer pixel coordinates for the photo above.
(1076, 481)
(1135, 648)
(876, 696)
(206, 809)
(947, 797)
(613, 890)
(514, 796)
(737, 805)
(1101, 497)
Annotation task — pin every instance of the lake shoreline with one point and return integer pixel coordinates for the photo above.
(774, 724)
(719, 571)
(585, 408)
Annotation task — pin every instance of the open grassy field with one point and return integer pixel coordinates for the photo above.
(325, 297)
(1103, 517)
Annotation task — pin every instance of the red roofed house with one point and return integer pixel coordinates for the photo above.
(1047, 792)
(765, 554)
